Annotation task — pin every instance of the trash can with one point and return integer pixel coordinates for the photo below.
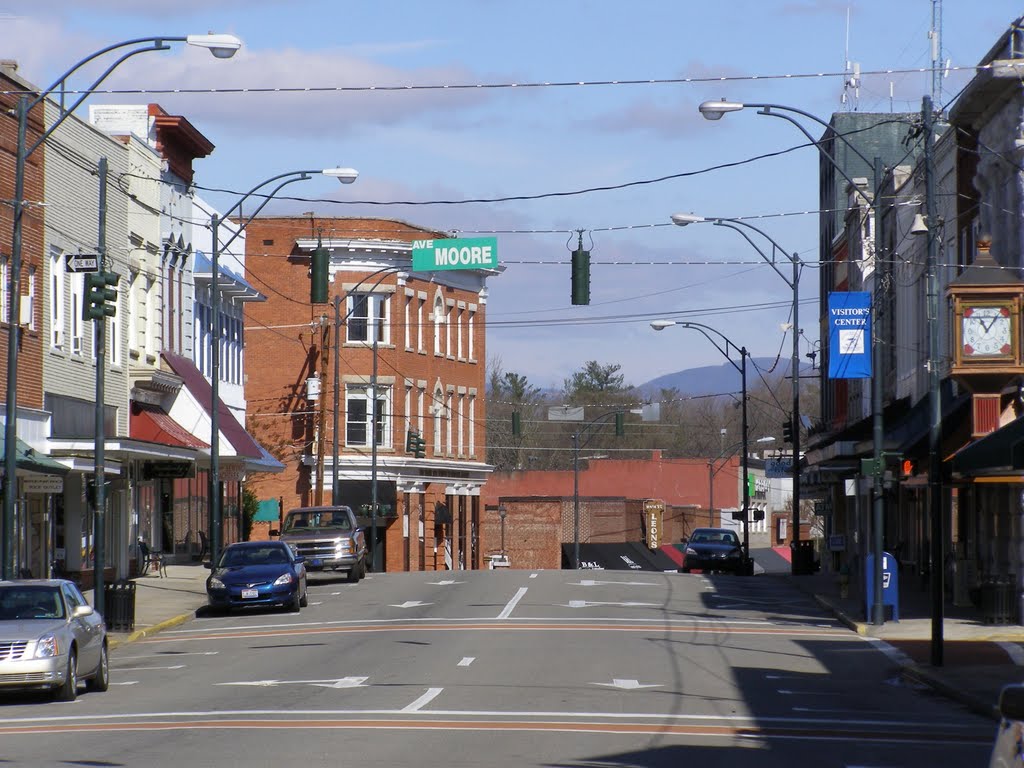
(997, 600)
(119, 606)
(803, 558)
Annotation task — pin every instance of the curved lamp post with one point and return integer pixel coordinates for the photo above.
(713, 110)
(222, 47)
(737, 225)
(345, 176)
(707, 331)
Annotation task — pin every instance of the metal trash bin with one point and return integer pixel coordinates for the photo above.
(119, 606)
(803, 558)
(997, 600)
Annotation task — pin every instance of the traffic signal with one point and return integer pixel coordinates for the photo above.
(517, 424)
(100, 295)
(787, 431)
(410, 440)
(620, 424)
(906, 468)
(580, 275)
(419, 446)
(319, 267)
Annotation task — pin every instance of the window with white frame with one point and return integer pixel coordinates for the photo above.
(360, 419)
(449, 417)
(470, 324)
(458, 332)
(5, 305)
(419, 324)
(57, 299)
(462, 424)
(114, 336)
(408, 407)
(31, 297)
(421, 396)
(409, 299)
(77, 324)
(438, 318)
(367, 317)
(437, 411)
(472, 425)
(448, 331)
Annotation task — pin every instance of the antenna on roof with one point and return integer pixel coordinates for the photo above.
(851, 79)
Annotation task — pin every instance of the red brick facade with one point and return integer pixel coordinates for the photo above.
(431, 373)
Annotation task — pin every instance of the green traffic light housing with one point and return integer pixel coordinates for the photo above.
(620, 424)
(517, 424)
(319, 269)
(419, 447)
(580, 275)
(100, 295)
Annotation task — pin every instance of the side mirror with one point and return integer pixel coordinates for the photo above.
(208, 565)
(1011, 702)
(300, 558)
(82, 610)
(275, 532)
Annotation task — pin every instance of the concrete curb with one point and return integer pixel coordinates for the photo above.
(116, 642)
(917, 674)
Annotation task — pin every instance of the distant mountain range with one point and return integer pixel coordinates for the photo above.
(712, 379)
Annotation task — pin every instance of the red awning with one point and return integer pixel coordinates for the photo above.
(151, 424)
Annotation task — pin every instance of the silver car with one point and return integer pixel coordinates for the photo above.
(50, 638)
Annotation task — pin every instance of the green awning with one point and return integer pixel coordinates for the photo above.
(998, 452)
(29, 459)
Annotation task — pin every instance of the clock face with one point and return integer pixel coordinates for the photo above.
(986, 331)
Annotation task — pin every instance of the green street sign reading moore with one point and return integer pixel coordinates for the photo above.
(463, 253)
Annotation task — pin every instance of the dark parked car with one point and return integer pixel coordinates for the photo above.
(257, 573)
(714, 549)
(1006, 750)
(50, 638)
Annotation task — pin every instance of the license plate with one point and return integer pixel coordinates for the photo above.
(248, 594)
(315, 562)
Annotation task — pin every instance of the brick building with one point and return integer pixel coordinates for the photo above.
(410, 343)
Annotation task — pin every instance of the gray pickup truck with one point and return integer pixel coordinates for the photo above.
(328, 537)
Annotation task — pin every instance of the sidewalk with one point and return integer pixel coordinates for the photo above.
(978, 659)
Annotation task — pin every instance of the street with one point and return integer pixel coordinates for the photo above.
(507, 668)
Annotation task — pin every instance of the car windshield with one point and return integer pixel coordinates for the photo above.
(30, 602)
(269, 555)
(308, 520)
(714, 537)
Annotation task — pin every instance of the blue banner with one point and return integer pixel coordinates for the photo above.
(849, 335)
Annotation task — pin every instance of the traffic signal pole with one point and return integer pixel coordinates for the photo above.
(99, 315)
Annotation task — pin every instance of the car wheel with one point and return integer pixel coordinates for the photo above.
(69, 690)
(100, 682)
(304, 602)
(296, 603)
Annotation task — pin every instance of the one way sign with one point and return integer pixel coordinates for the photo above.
(83, 262)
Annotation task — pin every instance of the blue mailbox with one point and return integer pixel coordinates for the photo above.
(890, 584)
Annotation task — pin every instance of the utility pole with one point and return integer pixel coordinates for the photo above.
(100, 341)
(938, 533)
(318, 488)
(877, 405)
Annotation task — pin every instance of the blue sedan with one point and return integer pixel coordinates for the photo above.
(257, 573)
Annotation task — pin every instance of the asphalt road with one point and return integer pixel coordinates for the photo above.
(506, 668)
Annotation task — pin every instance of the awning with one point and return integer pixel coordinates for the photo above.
(998, 452)
(151, 424)
(30, 460)
(250, 454)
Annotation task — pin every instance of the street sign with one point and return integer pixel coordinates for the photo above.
(83, 262)
(778, 467)
(654, 511)
(43, 484)
(460, 253)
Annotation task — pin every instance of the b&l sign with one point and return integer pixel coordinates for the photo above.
(465, 253)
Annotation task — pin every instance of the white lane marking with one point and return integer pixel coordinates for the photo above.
(596, 583)
(586, 604)
(533, 575)
(466, 661)
(318, 602)
(893, 653)
(445, 582)
(167, 655)
(510, 606)
(144, 669)
(410, 604)
(628, 685)
(422, 701)
(127, 682)
(1014, 651)
(785, 692)
(342, 682)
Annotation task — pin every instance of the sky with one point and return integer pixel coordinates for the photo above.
(532, 120)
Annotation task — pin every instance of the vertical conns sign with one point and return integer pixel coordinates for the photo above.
(654, 518)
(849, 335)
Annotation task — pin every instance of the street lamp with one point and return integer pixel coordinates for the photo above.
(737, 225)
(345, 176)
(707, 331)
(713, 110)
(222, 47)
